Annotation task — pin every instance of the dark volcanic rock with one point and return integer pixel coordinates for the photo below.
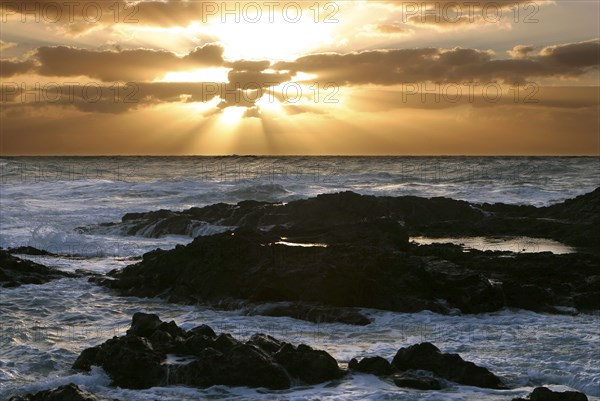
(322, 211)
(362, 265)
(545, 394)
(29, 250)
(242, 365)
(417, 381)
(140, 358)
(375, 365)
(310, 365)
(69, 392)
(573, 222)
(426, 356)
(15, 271)
(130, 361)
(348, 250)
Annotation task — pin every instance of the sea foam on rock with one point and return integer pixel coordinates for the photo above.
(410, 364)
(139, 359)
(157, 353)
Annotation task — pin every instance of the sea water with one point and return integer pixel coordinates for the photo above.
(45, 327)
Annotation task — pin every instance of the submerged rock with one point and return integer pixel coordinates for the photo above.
(426, 356)
(311, 312)
(69, 392)
(545, 394)
(417, 381)
(140, 359)
(15, 271)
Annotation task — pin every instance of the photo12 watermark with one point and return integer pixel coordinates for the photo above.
(126, 12)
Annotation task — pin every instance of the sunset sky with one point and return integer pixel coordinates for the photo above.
(390, 77)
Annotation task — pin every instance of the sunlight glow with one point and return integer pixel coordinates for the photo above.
(245, 40)
(201, 75)
(232, 115)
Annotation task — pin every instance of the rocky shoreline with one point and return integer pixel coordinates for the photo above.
(157, 353)
(351, 251)
(321, 260)
(15, 271)
(572, 222)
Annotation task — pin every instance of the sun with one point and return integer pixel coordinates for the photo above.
(232, 115)
(276, 40)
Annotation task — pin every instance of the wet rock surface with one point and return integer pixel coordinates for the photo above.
(545, 394)
(154, 353)
(310, 312)
(15, 271)
(423, 366)
(157, 353)
(348, 250)
(426, 356)
(69, 392)
(572, 222)
(417, 381)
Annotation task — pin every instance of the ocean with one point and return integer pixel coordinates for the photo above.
(46, 200)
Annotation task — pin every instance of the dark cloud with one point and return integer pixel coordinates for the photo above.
(575, 55)
(125, 65)
(257, 79)
(447, 21)
(392, 67)
(109, 99)
(77, 17)
(8, 68)
(249, 65)
(93, 97)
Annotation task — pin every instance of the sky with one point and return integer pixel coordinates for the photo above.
(351, 77)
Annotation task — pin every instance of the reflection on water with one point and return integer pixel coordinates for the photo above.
(504, 244)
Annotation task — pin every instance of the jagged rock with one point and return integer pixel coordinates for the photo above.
(349, 273)
(69, 392)
(242, 365)
(130, 361)
(426, 356)
(347, 250)
(29, 250)
(375, 365)
(573, 222)
(310, 365)
(15, 271)
(140, 358)
(545, 394)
